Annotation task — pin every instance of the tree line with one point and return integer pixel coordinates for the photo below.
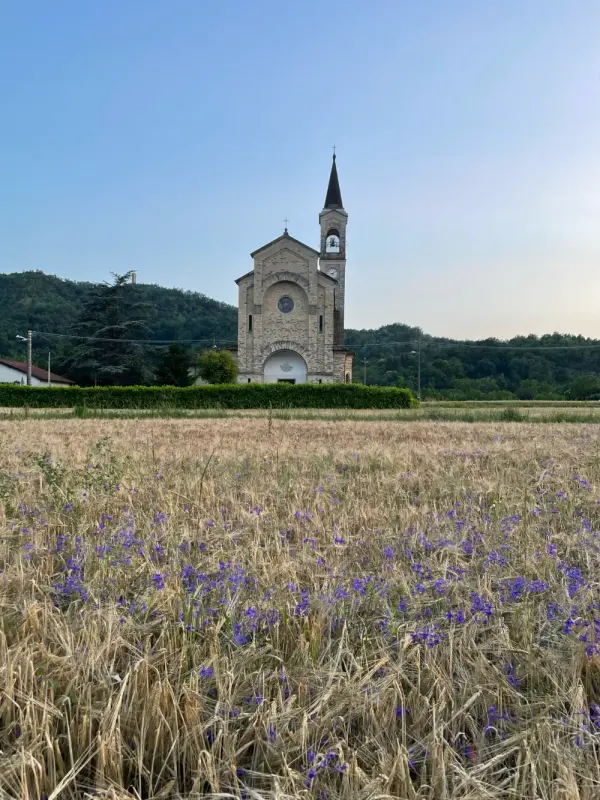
(98, 334)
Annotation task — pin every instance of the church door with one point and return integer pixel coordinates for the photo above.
(285, 366)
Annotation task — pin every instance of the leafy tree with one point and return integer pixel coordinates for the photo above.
(174, 367)
(217, 366)
(107, 354)
(584, 387)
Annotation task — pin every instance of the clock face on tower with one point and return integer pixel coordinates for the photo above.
(332, 272)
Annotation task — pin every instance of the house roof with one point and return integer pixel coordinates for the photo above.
(37, 372)
(334, 195)
(285, 236)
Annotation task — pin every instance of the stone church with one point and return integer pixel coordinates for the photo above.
(291, 305)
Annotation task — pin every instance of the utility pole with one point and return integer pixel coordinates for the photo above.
(48, 367)
(419, 367)
(417, 353)
(365, 362)
(29, 356)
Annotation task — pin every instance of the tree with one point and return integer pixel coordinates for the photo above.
(217, 366)
(111, 324)
(584, 387)
(174, 367)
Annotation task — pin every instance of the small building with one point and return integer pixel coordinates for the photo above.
(16, 372)
(291, 305)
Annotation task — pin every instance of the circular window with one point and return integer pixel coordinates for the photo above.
(285, 305)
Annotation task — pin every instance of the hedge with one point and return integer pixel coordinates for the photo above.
(253, 395)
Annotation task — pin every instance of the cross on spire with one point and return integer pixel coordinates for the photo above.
(334, 151)
(286, 220)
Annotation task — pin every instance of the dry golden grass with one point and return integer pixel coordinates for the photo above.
(283, 609)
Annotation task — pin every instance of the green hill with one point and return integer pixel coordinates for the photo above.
(527, 367)
(49, 304)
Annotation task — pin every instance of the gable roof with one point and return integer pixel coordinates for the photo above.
(37, 372)
(247, 275)
(285, 237)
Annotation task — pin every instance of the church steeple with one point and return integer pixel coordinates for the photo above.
(334, 195)
(333, 221)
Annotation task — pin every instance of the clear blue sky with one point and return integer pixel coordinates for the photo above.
(174, 137)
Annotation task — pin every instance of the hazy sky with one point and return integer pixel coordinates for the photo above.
(174, 137)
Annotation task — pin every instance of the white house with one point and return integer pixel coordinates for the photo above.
(16, 372)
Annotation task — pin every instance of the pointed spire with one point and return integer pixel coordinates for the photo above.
(334, 196)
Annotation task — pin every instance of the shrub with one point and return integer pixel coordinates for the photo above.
(253, 395)
(217, 366)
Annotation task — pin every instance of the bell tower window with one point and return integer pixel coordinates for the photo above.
(249, 323)
(332, 241)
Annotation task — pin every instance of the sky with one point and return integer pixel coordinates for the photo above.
(175, 137)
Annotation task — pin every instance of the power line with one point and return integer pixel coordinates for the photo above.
(136, 341)
(461, 345)
(406, 343)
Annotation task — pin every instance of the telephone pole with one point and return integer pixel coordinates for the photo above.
(419, 368)
(29, 356)
(365, 362)
(417, 353)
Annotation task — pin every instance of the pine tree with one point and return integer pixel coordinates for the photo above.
(111, 324)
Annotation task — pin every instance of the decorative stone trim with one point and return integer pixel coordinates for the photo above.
(292, 277)
(269, 349)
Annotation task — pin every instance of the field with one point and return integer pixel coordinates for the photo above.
(434, 411)
(260, 607)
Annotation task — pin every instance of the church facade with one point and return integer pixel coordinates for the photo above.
(291, 305)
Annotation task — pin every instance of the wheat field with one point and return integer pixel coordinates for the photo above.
(266, 608)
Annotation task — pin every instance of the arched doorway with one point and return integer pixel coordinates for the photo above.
(285, 366)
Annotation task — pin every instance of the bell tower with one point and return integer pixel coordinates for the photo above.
(333, 220)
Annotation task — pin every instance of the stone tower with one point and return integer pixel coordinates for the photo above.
(333, 221)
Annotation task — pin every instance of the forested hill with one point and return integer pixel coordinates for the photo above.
(46, 303)
(527, 366)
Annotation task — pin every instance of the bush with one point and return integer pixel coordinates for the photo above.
(217, 366)
(253, 395)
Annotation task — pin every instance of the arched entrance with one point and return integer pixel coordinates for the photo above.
(285, 366)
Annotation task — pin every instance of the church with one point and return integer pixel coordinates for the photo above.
(291, 305)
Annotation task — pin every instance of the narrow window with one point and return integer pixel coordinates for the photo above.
(320, 323)
(249, 380)
(250, 322)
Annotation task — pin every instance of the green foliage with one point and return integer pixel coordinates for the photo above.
(106, 354)
(487, 369)
(49, 304)
(174, 367)
(247, 395)
(528, 367)
(217, 366)
(584, 387)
